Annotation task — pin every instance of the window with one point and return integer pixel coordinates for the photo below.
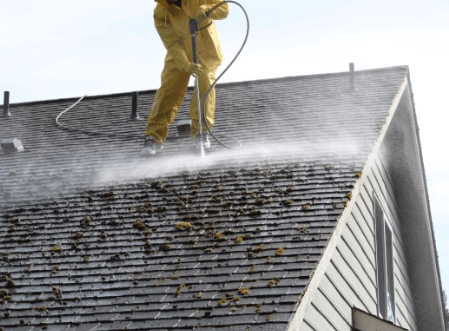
(384, 257)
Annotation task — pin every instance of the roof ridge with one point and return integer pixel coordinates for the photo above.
(263, 80)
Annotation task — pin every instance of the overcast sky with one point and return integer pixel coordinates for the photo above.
(67, 48)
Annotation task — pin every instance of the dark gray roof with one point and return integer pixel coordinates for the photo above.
(106, 251)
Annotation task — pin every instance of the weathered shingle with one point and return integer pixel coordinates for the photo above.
(226, 243)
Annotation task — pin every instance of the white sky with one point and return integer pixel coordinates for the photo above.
(67, 48)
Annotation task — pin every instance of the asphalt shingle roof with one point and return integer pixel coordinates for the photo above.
(227, 244)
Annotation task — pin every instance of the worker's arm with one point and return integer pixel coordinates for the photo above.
(218, 14)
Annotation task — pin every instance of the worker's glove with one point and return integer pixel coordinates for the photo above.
(194, 69)
(200, 14)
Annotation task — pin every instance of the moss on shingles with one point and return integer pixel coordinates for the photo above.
(78, 235)
(10, 281)
(56, 248)
(254, 212)
(14, 220)
(183, 226)
(280, 251)
(306, 206)
(243, 291)
(260, 248)
(304, 229)
(85, 222)
(273, 282)
(239, 239)
(288, 203)
(178, 291)
(139, 225)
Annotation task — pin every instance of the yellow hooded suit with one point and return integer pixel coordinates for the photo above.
(172, 24)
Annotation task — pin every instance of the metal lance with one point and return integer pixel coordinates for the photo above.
(194, 26)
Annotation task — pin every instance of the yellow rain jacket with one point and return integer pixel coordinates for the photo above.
(172, 24)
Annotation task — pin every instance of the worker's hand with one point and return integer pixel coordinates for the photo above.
(194, 69)
(200, 14)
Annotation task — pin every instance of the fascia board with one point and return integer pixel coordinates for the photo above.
(431, 235)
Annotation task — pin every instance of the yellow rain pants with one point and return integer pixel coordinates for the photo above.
(172, 24)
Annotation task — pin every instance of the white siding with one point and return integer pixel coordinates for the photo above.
(350, 279)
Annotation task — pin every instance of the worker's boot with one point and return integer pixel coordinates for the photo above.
(150, 147)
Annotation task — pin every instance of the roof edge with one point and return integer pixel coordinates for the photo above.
(426, 192)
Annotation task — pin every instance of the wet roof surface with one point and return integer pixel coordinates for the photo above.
(173, 243)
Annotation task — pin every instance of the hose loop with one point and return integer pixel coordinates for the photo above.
(221, 75)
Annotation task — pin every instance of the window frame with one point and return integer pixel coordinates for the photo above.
(384, 247)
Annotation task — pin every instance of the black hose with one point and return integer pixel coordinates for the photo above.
(224, 71)
(96, 133)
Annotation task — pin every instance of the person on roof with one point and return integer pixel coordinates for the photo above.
(171, 18)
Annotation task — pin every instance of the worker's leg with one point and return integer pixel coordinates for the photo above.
(205, 81)
(167, 101)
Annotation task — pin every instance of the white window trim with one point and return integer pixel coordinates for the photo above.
(386, 223)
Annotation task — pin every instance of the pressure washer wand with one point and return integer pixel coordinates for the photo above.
(194, 27)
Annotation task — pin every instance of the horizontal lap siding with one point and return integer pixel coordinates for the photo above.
(307, 327)
(403, 289)
(319, 321)
(350, 279)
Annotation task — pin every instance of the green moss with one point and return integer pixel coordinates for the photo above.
(243, 291)
(183, 226)
(288, 202)
(304, 229)
(273, 282)
(252, 269)
(254, 212)
(56, 248)
(139, 225)
(306, 206)
(178, 291)
(239, 239)
(85, 222)
(280, 251)
(78, 235)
